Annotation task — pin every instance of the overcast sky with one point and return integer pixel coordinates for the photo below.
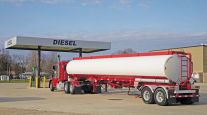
(139, 24)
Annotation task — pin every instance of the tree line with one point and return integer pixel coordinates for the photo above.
(14, 65)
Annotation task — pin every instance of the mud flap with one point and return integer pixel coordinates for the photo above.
(172, 100)
(195, 99)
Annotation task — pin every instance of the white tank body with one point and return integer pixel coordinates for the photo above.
(164, 65)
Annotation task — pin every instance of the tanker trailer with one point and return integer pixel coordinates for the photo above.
(161, 77)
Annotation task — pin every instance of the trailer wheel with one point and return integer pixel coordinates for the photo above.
(51, 86)
(160, 97)
(66, 87)
(186, 101)
(147, 95)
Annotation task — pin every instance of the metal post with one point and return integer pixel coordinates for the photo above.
(80, 52)
(44, 82)
(38, 66)
(9, 74)
(58, 67)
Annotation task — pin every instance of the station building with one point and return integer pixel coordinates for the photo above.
(199, 58)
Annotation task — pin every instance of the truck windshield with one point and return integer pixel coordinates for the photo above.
(55, 71)
(54, 67)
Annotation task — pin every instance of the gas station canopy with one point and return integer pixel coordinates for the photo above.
(62, 45)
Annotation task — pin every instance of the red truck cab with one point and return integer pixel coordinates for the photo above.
(59, 76)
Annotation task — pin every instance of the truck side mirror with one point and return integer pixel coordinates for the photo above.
(53, 67)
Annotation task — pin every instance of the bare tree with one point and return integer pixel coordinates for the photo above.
(47, 61)
(18, 64)
(31, 60)
(5, 61)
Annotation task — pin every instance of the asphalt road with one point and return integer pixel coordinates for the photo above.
(18, 99)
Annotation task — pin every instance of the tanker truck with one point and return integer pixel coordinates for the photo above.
(162, 77)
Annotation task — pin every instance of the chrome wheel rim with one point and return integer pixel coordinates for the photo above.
(146, 95)
(160, 96)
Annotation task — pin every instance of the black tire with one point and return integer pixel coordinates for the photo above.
(51, 86)
(186, 101)
(98, 89)
(67, 87)
(87, 88)
(147, 95)
(160, 97)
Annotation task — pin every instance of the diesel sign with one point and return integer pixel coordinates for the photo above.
(64, 42)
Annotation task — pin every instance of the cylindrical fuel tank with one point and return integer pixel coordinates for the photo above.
(163, 65)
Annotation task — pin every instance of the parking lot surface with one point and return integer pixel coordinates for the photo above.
(19, 99)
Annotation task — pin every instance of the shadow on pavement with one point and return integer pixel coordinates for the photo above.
(115, 99)
(14, 99)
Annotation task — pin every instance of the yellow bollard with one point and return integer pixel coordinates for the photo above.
(44, 82)
(30, 81)
(36, 81)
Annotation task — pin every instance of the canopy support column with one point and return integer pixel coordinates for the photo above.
(80, 52)
(39, 66)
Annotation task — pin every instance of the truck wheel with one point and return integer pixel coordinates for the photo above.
(186, 101)
(87, 88)
(51, 86)
(147, 95)
(72, 89)
(98, 89)
(160, 97)
(66, 87)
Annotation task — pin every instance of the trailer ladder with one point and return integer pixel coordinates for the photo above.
(184, 68)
